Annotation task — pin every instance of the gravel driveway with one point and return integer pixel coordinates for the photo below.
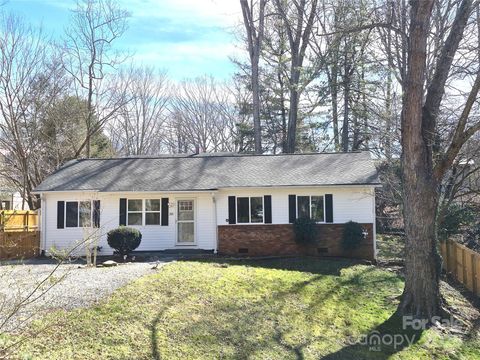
(69, 287)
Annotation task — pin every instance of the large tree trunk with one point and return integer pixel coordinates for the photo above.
(334, 94)
(292, 122)
(421, 296)
(293, 111)
(346, 112)
(254, 40)
(257, 131)
(283, 112)
(388, 118)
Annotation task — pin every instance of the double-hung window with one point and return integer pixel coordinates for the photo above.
(250, 209)
(152, 212)
(143, 212)
(311, 206)
(78, 214)
(135, 212)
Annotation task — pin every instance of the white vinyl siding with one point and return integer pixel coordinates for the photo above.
(349, 203)
(153, 237)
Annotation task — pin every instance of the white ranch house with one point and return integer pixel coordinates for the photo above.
(226, 203)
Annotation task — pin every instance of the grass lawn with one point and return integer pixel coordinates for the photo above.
(269, 309)
(390, 247)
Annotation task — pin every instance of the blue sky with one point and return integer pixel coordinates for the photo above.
(188, 38)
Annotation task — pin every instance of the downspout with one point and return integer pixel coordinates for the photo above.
(42, 227)
(215, 222)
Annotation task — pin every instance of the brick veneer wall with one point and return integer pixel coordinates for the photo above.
(273, 239)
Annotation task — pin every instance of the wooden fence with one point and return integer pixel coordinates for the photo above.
(18, 220)
(19, 245)
(463, 263)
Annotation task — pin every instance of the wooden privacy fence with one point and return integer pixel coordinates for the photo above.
(18, 220)
(19, 245)
(463, 263)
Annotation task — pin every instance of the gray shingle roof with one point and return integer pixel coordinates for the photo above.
(206, 172)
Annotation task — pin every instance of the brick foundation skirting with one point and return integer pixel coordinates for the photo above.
(273, 239)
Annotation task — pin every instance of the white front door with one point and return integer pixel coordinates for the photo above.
(185, 222)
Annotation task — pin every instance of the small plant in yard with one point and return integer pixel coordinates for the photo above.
(352, 235)
(305, 230)
(124, 240)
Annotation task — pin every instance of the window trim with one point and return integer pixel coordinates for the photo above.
(78, 214)
(144, 212)
(310, 206)
(250, 210)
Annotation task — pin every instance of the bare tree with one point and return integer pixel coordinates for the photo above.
(298, 19)
(22, 59)
(202, 117)
(137, 128)
(89, 57)
(254, 27)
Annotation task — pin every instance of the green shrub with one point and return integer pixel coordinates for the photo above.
(305, 230)
(124, 239)
(352, 235)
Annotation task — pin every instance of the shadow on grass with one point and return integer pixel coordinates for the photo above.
(321, 266)
(154, 332)
(154, 336)
(251, 332)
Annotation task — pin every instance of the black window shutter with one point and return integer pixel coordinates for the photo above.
(292, 208)
(60, 214)
(123, 212)
(329, 208)
(232, 216)
(164, 212)
(267, 204)
(96, 213)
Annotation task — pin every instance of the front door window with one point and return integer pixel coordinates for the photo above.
(185, 222)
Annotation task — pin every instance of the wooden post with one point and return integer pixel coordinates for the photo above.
(474, 273)
(464, 268)
(457, 262)
(452, 258)
(447, 255)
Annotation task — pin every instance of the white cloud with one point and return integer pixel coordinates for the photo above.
(213, 12)
(202, 54)
(183, 36)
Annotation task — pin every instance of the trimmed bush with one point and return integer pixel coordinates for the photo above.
(305, 231)
(352, 235)
(124, 239)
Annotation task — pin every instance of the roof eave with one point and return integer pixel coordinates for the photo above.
(374, 185)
